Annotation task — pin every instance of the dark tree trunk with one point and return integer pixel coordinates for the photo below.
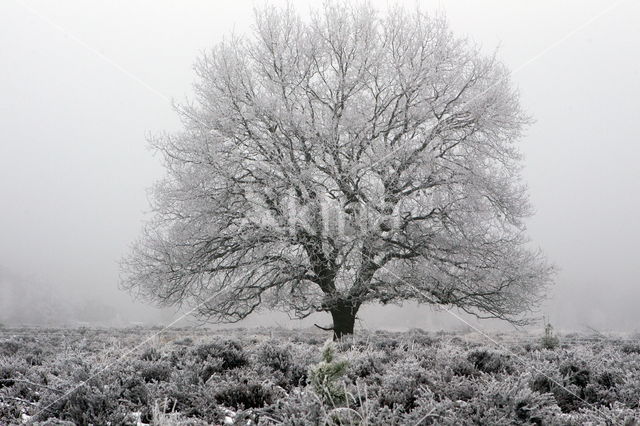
(344, 318)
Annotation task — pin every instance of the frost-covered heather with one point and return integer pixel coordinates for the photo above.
(281, 377)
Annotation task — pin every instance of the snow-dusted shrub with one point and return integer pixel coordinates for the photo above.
(368, 364)
(542, 383)
(134, 389)
(630, 348)
(187, 341)
(567, 395)
(275, 356)
(607, 379)
(282, 359)
(244, 395)
(309, 339)
(628, 392)
(150, 354)
(205, 370)
(155, 371)
(401, 382)
(616, 414)
(490, 362)
(85, 405)
(420, 337)
(230, 352)
(11, 369)
(505, 402)
(298, 408)
(575, 374)
(179, 356)
(463, 367)
(387, 343)
(190, 400)
(10, 347)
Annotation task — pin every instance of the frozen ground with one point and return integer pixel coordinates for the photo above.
(274, 376)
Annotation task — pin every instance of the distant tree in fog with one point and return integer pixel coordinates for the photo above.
(27, 301)
(340, 160)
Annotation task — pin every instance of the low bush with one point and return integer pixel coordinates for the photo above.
(276, 357)
(279, 360)
(285, 377)
(244, 395)
(630, 348)
(490, 362)
(85, 405)
(155, 371)
(9, 347)
(230, 352)
(150, 354)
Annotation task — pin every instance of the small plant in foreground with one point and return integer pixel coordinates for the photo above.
(325, 377)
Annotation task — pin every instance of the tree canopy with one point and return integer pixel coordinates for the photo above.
(344, 158)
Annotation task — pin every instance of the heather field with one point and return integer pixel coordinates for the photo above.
(275, 376)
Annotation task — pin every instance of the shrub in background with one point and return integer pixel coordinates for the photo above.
(280, 358)
(490, 362)
(230, 352)
(150, 354)
(155, 371)
(549, 340)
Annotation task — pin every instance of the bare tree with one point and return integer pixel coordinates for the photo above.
(348, 158)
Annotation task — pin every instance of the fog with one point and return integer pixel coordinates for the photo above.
(82, 83)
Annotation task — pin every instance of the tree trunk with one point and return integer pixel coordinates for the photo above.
(344, 318)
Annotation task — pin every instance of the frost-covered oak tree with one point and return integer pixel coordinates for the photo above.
(347, 158)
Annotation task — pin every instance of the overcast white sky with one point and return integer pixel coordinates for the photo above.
(82, 83)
